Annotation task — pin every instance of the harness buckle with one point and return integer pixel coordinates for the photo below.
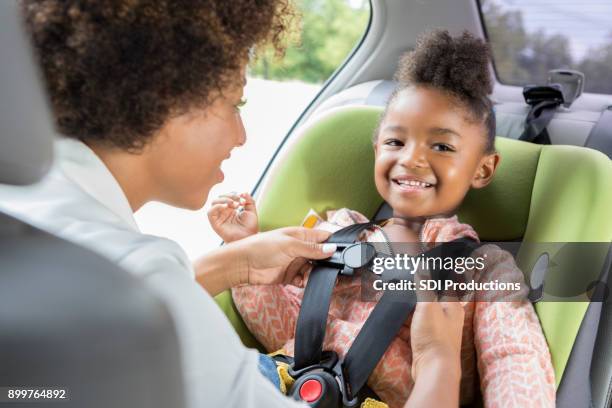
(349, 256)
(329, 374)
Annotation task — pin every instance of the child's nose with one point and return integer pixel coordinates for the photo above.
(413, 157)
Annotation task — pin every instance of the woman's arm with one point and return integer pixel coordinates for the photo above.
(435, 338)
(437, 385)
(263, 259)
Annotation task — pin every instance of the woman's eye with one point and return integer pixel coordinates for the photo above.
(441, 147)
(240, 104)
(393, 142)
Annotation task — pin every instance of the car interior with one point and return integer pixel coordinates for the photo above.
(535, 191)
(541, 193)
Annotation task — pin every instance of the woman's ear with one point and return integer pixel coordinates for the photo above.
(486, 170)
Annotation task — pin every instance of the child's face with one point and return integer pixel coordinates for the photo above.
(429, 154)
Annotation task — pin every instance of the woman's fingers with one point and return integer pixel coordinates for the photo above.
(307, 234)
(294, 270)
(307, 243)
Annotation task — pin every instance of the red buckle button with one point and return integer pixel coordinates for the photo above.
(311, 390)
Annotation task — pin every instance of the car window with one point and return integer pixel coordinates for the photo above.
(278, 90)
(529, 38)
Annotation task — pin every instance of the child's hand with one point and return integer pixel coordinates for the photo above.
(233, 216)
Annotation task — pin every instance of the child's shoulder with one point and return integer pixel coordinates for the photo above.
(445, 229)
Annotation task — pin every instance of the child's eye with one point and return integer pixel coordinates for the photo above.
(240, 104)
(441, 147)
(393, 142)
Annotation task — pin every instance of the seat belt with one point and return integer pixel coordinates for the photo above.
(380, 328)
(544, 100)
(310, 326)
(600, 137)
(389, 315)
(537, 119)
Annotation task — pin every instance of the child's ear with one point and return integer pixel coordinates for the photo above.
(486, 170)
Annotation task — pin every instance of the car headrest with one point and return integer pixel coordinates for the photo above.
(26, 126)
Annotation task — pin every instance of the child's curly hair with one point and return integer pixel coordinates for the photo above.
(117, 70)
(458, 66)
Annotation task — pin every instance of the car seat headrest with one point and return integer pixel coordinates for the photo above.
(329, 166)
(26, 126)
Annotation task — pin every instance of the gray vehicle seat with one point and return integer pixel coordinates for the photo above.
(573, 126)
(69, 319)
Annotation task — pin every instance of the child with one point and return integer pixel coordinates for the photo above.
(434, 142)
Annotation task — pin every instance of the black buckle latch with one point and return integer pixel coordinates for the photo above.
(349, 257)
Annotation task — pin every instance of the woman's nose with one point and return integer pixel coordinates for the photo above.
(241, 131)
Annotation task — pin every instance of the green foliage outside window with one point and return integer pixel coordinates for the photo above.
(326, 33)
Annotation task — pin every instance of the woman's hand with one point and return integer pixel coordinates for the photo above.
(281, 256)
(233, 216)
(435, 335)
(278, 256)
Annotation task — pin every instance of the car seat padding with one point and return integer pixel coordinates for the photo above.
(540, 193)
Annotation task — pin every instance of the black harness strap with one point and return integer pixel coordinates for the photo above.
(310, 326)
(380, 328)
(391, 312)
(376, 335)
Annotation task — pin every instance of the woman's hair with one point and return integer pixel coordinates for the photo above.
(458, 66)
(117, 70)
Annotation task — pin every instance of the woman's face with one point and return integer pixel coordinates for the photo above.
(428, 154)
(187, 154)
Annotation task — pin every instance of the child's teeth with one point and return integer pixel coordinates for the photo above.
(413, 183)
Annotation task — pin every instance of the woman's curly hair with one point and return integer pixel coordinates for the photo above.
(117, 70)
(458, 66)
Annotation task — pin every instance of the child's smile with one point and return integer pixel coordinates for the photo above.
(429, 154)
(408, 184)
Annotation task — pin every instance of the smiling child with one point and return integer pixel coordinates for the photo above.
(435, 141)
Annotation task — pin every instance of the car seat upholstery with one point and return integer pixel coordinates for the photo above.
(539, 194)
(68, 318)
(572, 126)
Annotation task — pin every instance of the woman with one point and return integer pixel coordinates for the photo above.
(147, 95)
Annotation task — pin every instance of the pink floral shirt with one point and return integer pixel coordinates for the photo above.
(503, 346)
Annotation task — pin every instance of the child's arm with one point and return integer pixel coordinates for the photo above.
(233, 216)
(514, 362)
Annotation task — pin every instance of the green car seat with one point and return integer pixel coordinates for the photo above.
(540, 194)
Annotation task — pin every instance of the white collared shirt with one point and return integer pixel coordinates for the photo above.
(80, 200)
